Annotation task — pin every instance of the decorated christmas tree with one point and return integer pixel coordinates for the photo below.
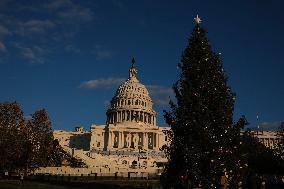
(205, 142)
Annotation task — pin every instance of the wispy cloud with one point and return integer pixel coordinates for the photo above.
(119, 4)
(102, 53)
(107, 104)
(269, 126)
(160, 94)
(34, 54)
(34, 26)
(2, 47)
(72, 49)
(4, 31)
(104, 83)
(67, 9)
(37, 26)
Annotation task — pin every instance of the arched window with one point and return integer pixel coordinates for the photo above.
(124, 162)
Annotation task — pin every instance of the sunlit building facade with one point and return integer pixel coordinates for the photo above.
(130, 138)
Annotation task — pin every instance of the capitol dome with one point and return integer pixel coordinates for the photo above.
(132, 103)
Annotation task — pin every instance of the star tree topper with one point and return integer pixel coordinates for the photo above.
(197, 19)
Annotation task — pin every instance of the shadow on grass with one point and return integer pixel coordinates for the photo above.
(98, 184)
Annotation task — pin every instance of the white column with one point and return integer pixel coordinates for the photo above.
(131, 115)
(129, 140)
(156, 141)
(146, 118)
(141, 117)
(113, 136)
(111, 140)
(136, 116)
(145, 141)
(121, 140)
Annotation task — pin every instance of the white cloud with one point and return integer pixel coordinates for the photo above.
(2, 47)
(72, 49)
(66, 9)
(269, 126)
(119, 4)
(160, 94)
(47, 25)
(101, 53)
(55, 5)
(101, 83)
(107, 104)
(4, 31)
(34, 54)
(77, 13)
(34, 26)
(159, 90)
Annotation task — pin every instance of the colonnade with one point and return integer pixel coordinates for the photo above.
(131, 115)
(132, 102)
(121, 139)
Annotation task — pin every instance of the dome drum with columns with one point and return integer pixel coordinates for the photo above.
(132, 103)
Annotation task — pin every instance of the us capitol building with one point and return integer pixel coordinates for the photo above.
(129, 140)
(129, 143)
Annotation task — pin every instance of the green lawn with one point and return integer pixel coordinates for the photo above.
(98, 184)
(29, 185)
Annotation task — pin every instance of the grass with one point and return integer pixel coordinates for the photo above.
(98, 184)
(14, 184)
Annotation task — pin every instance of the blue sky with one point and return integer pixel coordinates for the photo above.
(69, 56)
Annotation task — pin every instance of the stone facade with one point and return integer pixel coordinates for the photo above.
(130, 138)
(267, 138)
(77, 139)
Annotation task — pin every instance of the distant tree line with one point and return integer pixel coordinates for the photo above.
(27, 142)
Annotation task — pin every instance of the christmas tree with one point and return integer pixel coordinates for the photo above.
(205, 142)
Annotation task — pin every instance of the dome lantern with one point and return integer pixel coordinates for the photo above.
(133, 71)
